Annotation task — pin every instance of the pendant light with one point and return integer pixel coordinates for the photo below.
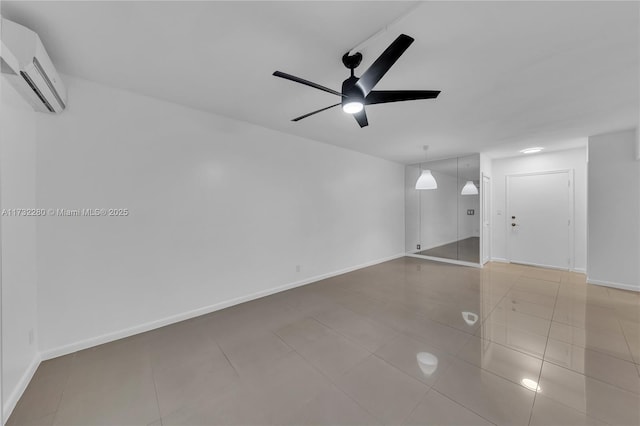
(426, 179)
(469, 189)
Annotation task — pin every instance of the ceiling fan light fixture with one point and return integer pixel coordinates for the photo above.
(469, 189)
(426, 181)
(353, 107)
(358, 91)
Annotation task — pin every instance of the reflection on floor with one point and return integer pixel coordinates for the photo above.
(404, 342)
(467, 250)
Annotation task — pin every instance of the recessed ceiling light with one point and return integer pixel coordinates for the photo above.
(531, 385)
(531, 150)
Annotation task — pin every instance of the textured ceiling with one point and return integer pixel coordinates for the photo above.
(512, 74)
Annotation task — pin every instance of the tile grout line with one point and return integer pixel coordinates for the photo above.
(373, 322)
(339, 333)
(626, 340)
(371, 354)
(579, 410)
(66, 382)
(422, 397)
(493, 374)
(155, 386)
(331, 380)
(456, 402)
(428, 388)
(592, 377)
(535, 394)
(488, 372)
(522, 313)
(499, 301)
(233, 367)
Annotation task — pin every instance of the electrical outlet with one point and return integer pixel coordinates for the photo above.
(418, 246)
(297, 268)
(31, 337)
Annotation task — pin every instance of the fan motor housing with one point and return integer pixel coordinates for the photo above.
(351, 91)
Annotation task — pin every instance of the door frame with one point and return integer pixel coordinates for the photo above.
(485, 216)
(571, 214)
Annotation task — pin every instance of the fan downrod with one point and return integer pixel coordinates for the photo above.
(352, 61)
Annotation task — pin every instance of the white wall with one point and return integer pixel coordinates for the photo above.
(18, 238)
(558, 160)
(219, 210)
(614, 211)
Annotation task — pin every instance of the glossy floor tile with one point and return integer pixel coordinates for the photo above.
(383, 390)
(501, 360)
(437, 409)
(417, 359)
(596, 364)
(547, 412)
(592, 397)
(409, 342)
(490, 396)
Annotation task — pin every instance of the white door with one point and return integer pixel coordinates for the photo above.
(539, 218)
(486, 216)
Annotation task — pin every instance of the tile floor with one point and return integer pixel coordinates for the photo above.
(344, 351)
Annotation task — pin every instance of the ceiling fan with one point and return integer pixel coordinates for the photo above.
(358, 91)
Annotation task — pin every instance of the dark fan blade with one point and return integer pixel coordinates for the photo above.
(361, 118)
(314, 112)
(384, 96)
(305, 82)
(385, 61)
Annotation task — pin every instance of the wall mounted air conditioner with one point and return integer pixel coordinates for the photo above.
(26, 65)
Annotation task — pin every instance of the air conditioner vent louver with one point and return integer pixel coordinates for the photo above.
(26, 65)
(36, 91)
(46, 79)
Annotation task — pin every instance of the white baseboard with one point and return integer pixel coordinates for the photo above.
(13, 398)
(502, 260)
(120, 334)
(541, 265)
(445, 260)
(613, 284)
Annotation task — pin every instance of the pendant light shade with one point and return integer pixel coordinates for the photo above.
(469, 189)
(426, 181)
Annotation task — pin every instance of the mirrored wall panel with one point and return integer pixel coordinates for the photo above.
(443, 215)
